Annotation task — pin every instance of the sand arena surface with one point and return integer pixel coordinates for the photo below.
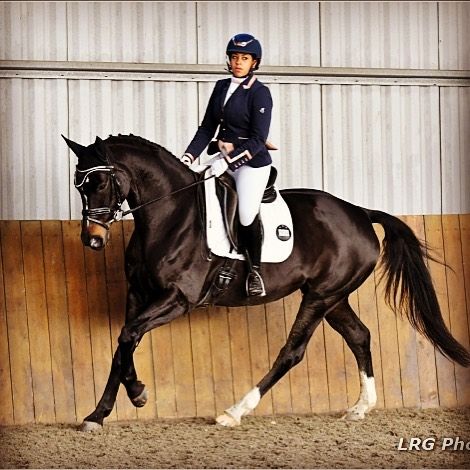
(314, 441)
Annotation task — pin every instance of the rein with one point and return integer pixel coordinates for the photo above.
(164, 196)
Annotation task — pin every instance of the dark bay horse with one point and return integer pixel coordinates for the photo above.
(169, 270)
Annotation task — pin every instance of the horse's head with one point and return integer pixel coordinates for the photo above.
(99, 188)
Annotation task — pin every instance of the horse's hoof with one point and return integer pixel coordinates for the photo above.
(90, 426)
(354, 415)
(227, 421)
(141, 400)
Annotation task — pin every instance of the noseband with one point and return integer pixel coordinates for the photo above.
(89, 215)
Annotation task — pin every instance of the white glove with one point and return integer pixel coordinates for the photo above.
(219, 167)
(186, 159)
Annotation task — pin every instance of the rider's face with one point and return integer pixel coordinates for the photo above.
(241, 64)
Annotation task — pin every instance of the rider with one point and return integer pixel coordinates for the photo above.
(241, 107)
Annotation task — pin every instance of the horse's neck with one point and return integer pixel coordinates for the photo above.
(154, 176)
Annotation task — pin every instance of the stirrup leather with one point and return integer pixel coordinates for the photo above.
(255, 284)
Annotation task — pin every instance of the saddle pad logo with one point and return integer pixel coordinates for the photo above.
(283, 233)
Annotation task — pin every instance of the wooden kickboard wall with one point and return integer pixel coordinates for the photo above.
(62, 308)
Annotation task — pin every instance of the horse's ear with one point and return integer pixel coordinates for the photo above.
(101, 148)
(77, 149)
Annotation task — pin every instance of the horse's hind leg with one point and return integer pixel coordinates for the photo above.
(343, 319)
(310, 314)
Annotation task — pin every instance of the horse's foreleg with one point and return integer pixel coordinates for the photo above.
(343, 319)
(94, 421)
(309, 316)
(160, 312)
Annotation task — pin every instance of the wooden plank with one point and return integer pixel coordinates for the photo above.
(429, 393)
(368, 314)
(407, 342)
(6, 399)
(155, 356)
(334, 349)
(389, 347)
(445, 369)
(183, 364)
(317, 371)
(77, 306)
(164, 373)
(202, 365)
(276, 330)
(299, 383)
(240, 352)
(59, 332)
(221, 359)
(143, 359)
(38, 324)
(465, 235)
(352, 375)
(259, 355)
(116, 295)
(98, 309)
(456, 291)
(18, 338)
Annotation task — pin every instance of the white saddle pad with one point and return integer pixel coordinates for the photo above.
(277, 227)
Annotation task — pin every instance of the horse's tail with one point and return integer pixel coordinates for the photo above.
(409, 289)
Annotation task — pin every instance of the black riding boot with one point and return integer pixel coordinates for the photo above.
(252, 240)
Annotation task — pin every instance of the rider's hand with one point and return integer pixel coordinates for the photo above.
(186, 159)
(219, 167)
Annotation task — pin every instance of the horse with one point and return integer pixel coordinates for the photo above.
(170, 271)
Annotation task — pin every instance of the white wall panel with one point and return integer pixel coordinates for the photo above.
(296, 130)
(455, 121)
(379, 34)
(33, 31)
(163, 112)
(381, 147)
(34, 179)
(288, 31)
(454, 35)
(132, 32)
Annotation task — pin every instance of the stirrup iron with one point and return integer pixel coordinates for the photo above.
(255, 284)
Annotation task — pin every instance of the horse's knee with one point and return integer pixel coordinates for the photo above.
(127, 337)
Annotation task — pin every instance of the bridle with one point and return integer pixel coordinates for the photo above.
(89, 215)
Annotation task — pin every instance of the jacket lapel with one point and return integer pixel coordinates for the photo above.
(245, 85)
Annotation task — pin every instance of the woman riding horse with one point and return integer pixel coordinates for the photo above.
(241, 107)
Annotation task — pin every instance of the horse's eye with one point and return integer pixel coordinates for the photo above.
(102, 186)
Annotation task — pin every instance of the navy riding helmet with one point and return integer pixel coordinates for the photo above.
(247, 44)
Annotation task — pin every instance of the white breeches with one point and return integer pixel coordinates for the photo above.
(251, 183)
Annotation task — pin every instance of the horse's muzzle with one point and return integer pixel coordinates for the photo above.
(95, 236)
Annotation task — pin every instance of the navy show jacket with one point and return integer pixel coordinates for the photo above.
(244, 121)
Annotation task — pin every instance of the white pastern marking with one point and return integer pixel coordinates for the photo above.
(234, 414)
(367, 398)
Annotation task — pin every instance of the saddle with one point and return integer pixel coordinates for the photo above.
(227, 195)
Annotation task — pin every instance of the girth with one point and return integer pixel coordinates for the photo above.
(227, 194)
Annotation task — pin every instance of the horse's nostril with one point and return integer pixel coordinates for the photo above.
(96, 243)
